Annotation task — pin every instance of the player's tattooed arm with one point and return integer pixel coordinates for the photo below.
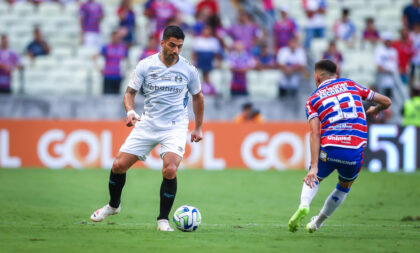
(383, 102)
(131, 91)
(132, 116)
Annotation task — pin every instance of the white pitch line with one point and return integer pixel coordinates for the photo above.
(84, 222)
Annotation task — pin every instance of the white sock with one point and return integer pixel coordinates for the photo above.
(333, 201)
(308, 194)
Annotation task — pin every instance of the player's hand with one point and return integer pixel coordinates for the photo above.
(196, 135)
(311, 177)
(132, 118)
(372, 111)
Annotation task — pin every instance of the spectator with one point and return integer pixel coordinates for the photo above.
(386, 58)
(249, 114)
(292, 62)
(206, 49)
(218, 30)
(211, 5)
(151, 48)
(344, 29)
(245, 30)
(91, 15)
(411, 111)
(315, 20)
(264, 59)
(414, 79)
(268, 7)
(36, 3)
(9, 61)
(114, 53)
(404, 47)
(371, 34)
(38, 46)
(201, 19)
(159, 12)
(177, 20)
(333, 54)
(411, 14)
(185, 7)
(284, 29)
(240, 61)
(127, 22)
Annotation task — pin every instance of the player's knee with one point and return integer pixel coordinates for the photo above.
(118, 167)
(169, 171)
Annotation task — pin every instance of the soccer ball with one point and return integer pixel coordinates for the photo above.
(187, 218)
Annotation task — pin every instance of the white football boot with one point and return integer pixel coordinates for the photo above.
(102, 213)
(312, 226)
(163, 225)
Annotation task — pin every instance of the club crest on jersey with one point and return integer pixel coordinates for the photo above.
(323, 156)
(178, 78)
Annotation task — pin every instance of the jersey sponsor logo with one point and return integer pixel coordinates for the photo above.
(333, 90)
(341, 161)
(338, 138)
(342, 126)
(163, 88)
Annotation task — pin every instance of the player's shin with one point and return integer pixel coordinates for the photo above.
(116, 184)
(308, 194)
(334, 200)
(167, 197)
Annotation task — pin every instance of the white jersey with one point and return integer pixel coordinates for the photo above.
(165, 90)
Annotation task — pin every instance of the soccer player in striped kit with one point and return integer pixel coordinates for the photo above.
(338, 136)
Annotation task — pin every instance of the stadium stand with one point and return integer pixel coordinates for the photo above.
(69, 69)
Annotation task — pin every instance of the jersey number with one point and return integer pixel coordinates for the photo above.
(337, 108)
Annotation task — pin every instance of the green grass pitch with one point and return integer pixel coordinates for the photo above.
(243, 211)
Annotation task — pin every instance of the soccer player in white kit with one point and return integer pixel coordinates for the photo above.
(165, 79)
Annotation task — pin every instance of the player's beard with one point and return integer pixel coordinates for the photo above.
(169, 58)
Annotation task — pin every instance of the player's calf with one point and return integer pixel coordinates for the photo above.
(334, 200)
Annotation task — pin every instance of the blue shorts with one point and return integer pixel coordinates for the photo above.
(347, 162)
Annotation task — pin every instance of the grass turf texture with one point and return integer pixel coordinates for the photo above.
(243, 211)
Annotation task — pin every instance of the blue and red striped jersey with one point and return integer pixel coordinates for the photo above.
(338, 105)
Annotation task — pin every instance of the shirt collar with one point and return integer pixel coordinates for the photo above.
(164, 63)
(326, 81)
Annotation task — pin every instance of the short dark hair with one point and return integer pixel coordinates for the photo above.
(247, 106)
(370, 19)
(327, 66)
(173, 31)
(345, 11)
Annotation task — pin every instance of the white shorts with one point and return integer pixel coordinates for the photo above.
(143, 139)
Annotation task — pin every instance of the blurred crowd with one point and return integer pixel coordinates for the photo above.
(257, 39)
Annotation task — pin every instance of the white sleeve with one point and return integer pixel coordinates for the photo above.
(194, 85)
(377, 56)
(302, 57)
(281, 57)
(137, 77)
